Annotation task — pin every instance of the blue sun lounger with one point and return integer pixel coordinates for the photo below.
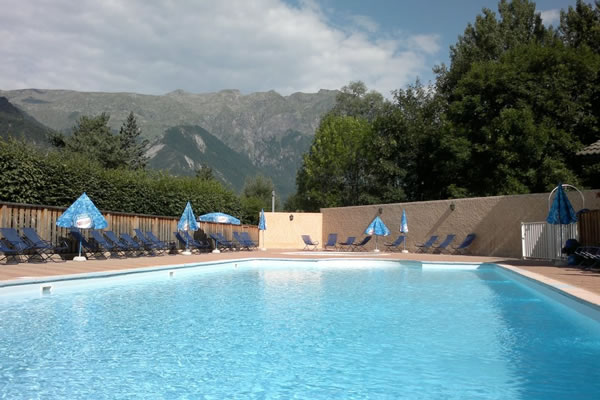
(246, 236)
(7, 252)
(121, 244)
(162, 244)
(108, 247)
(19, 245)
(331, 241)
(43, 245)
(421, 248)
(347, 244)
(444, 245)
(395, 244)
(361, 245)
(462, 248)
(90, 249)
(308, 242)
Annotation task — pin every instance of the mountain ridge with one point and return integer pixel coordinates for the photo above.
(272, 130)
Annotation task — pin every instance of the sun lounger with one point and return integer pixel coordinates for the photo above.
(106, 245)
(221, 242)
(308, 242)
(462, 248)
(7, 252)
(200, 244)
(43, 245)
(246, 236)
(121, 244)
(189, 244)
(421, 248)
(347, 244)
(395, 244)
(148, 245)
(132, 245)
(361, 245)
(165, 245)
(444, 245)
(331, 241)
(90, 249)
(19, 245)
(243, 242)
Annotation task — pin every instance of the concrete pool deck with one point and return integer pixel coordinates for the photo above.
(576, 282)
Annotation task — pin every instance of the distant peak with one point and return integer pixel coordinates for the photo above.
(231, 91)
(178, 92)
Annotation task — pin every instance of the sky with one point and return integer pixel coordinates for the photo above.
(200, 46)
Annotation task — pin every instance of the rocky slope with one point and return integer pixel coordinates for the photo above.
(273, 131)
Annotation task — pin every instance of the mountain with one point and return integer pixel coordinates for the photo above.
(17, 124)
(272, 130)
(184, 149)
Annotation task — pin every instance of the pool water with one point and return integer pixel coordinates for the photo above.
(309, 332)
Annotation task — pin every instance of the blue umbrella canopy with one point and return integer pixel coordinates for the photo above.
(187, 220)
(82, 214)
(219, 218)
(404, 222)
(262, 224)
(377, 227)
(561, 211)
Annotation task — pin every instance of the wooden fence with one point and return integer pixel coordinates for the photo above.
(588, 224)
(43, 220)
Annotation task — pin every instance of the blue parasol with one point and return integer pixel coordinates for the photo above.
(262, 225)
(187, 222)
(377, 228)
(561, 212)
(219, 218)
(82, 214)
(404, 226)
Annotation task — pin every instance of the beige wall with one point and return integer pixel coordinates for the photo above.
(495, 220)
(283, 233)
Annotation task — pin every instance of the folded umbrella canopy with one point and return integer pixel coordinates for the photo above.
(377, 228)
(262, 225)
(82, 214)
(404, 227)
(187, 222)
(561, 211)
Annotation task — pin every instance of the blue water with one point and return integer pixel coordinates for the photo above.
(302, 333)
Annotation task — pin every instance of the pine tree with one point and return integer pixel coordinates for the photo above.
(133, 147)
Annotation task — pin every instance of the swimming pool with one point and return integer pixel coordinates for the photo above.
(311, 330)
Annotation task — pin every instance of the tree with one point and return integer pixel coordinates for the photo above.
(133, 147)
(92, 137)
(488, 38)
(412, 148)
(335, 171)
(355, 100)
(525, 116)
(256, 195)
(580, 26)
(205, 173)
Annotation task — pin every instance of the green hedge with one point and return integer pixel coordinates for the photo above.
(55, 178)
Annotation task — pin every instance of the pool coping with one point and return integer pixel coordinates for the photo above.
(576, 293)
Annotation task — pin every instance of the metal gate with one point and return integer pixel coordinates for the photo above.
(543, 240)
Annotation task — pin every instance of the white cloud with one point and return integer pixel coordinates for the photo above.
(550, 17)
(154, 46)
(429, 44)
(365, 22)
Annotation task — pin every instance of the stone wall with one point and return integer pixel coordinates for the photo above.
(495, 220)
(284, 232)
